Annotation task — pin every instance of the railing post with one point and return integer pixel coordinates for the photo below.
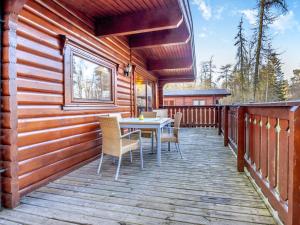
(216, 116)
(225, 125)
(294, 167)
(219, 120)
(240, 138)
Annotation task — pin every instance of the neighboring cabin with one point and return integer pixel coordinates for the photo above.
(194, 97)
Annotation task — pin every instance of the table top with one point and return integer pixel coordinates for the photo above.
(151, 121)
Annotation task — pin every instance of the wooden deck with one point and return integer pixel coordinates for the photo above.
(203, 188)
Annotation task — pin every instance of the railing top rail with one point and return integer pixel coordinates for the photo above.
(270, 104)
(189, 106)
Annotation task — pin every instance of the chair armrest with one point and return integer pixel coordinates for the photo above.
(132, 132)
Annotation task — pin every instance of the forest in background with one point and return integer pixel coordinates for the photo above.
(256, 75)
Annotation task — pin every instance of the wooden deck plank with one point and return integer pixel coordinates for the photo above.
(202, 188)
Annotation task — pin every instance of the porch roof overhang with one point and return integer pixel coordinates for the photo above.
(161, 31)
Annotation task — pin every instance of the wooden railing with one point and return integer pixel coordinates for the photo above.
(266, 139)
(195, 116)
(232, 127)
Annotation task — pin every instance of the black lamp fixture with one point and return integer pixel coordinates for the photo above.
(129, 67)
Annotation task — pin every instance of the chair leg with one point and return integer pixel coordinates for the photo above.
(100, 163)
(178, 148)
(169, 146)
(118, 169)
(141, 155)
(130, 152)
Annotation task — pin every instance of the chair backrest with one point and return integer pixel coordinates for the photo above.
(111, 135)
(118, 115)
(149, 114)
(177, 120)
(161, 113)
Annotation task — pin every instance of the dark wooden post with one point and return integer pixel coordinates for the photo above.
(9, 121)
(240, 138)
(294, 167)
(216, 116)
(160, 87)
(225, 117)
(219, 120)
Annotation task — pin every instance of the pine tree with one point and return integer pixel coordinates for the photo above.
(241, 56)
(295, 85)
(280, 83)
(225, 75)
(207, 72)
(266, 17)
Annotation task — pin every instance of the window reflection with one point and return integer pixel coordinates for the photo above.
(91, 81)
(144, 97)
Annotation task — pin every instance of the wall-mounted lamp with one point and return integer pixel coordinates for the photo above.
(128, 70)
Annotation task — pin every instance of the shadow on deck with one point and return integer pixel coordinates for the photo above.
(203, 188)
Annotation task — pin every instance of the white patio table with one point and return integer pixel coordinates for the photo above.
(150, 123)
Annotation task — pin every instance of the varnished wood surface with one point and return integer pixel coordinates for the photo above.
(203, 188)
(50, 140)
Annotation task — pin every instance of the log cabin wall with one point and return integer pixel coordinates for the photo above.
(51, 141)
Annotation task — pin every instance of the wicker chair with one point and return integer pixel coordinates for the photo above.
(115, 144)
(149, 114)
(161, 113)
(149, 133)
(118, 115)
(173, 136)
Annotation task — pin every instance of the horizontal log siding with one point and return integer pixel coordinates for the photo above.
(51, 141)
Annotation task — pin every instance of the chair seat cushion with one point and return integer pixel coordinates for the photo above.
(129, 144)
(165, 137)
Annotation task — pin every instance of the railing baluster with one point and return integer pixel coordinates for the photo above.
(264, 146)
(282, 157)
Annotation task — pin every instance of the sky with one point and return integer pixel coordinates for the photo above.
(215, 26)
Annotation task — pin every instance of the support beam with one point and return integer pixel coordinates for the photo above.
(139, 22)
(176, 36)
(241, 139)
(165, 64)
(294, 167)
(9, 121)
(177, 78)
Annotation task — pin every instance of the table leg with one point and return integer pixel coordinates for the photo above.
(158, 143)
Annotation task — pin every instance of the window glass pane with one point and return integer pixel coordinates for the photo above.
(149, 97)
(141, 97)
(91, 81)
(198, 102)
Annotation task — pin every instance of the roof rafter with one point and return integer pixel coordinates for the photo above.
(139, 22)
(176, 36)
(166, 64)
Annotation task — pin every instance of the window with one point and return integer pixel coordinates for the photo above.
(145, 96)
(172, 103)
(89, 80)
(166, 102)
(198, 102)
